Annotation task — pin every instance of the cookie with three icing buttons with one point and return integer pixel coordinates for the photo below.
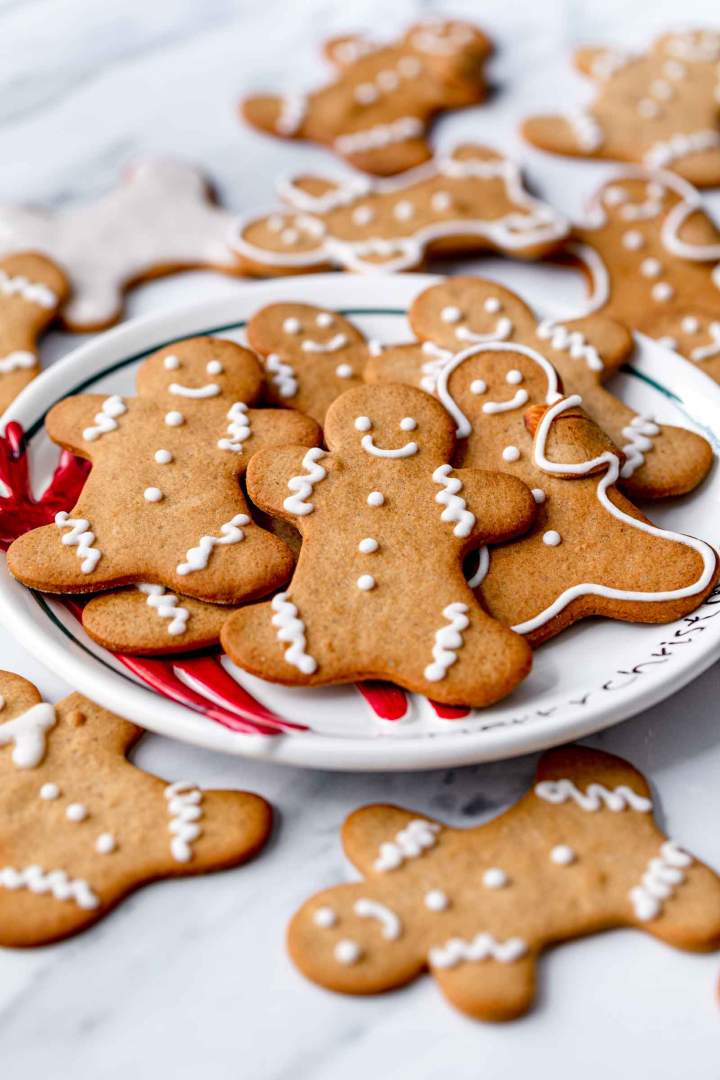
(32, 288)
(81, 827)
(378, 591)
(660, 460)
(470, 200)
(377, 110)
(590, 551)
(658, 108)
(163, 502)
(579, 853)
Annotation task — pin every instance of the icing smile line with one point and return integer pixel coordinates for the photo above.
(519, 399)
(209, 390)
(503, 329)
(335, 343)
(402, 452)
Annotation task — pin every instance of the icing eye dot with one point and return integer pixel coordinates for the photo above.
(325, 917)
(152, 494)
(510, 453)
(436, 900)
(49, 791)
(362, 215)
(690, 324)
(408, 423)
(614, 196)
(538, 495)
(562, 855)
(347, 951)
(214, 367)
(291, 325)
(76, 812)
(375, 498)
(105, 844)
(633, 240)
(514, 377)
(441, 201)
(324, 319)
(492, 305)
(174, 419)
(451, 314)
(403, 210)
(478, 386)
(495, 878)
(368, 546)
(171, 363)
(163, 457)
(366, 582)
(552, 538)
(363, 423)
(344, 371)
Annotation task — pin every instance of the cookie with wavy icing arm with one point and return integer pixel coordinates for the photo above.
(377, 110)
(658, 108)
(660, 460)
(150, 620)
(160, 219)
(579, 853)
(651, 255)
(32, 288)
(590, 551)
(163, 502)
(82, 827)
(379, 591)
(472, 200)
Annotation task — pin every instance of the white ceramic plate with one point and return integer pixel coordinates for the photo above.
(594, 675)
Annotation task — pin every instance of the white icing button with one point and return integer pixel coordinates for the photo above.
(662, 89)
(408, 423)
(76, 812)
(495, 878)
(552, 538)
(538, 495)
(174, 419)
(347, 951)
(662, 291)
(344, 371)
(403, 210)
(633, 240)
(562, 855)
(362, 215)
(492, 305)
(478, 386)
(436, 900)
(324, 319)
(648, 108)
(690, 324)
(375, 498)
(366, 582)
(289, 236)
(49, 791)
(325, 917)
(651, 268)
(510, 453)
(409, 66)
(275, 223)
(105, 844)
(152, 494)
(368, 545)
(214, 367)
(171, 363)
(291, 325)
(163, 457)
(363, 423)
(440, 201)
(514, 377)
(451, 314)
(614, 196)
(387, 81)
(365, 94)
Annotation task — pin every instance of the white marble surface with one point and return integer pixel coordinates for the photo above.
(191, 978)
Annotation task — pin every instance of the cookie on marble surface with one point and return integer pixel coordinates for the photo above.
(163, 502)
(658, 108)
(468, 201)
(32, 289)
(81, 827)
(379, 591)
(377, 110)
(159, 220)
(579, 853)
(660, 460)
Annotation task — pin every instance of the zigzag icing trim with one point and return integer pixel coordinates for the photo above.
(303, 484)
(417, 836)
(291, 629)
(455, 506)
(81, 537)
(55, 882)
(483, 946)
(595, 796)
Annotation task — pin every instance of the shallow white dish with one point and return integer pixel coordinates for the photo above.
(592, 676)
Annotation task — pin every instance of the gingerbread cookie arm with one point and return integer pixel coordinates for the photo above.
(279, 427)
(585, 350)
(78, 423)
(404, 364)
(284, 481)
(502, 505)
(592, 61)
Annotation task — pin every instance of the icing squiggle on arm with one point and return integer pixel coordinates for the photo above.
(594, 797)
(291, 628)
(80, 536)
(455, 506)
(448, 639)
(106, 419)
(572, 341)
(282, 376)
(184, 801)
(639, 433)
(483, 946)
(27, 733)
(410, 843)
(303, 484)
(55, 882)
(32, 291)
(659, 882)
(197, 557)
(19, 360)
(166, 606)
(238, 429)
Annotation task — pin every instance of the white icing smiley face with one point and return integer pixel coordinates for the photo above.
(498, 327)
(179, 388)
(310, 340)
(364, 424)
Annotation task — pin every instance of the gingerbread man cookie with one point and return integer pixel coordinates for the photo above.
(82, 827)
(590, 552)
(651, 255)
(377, 111)
(161, 219)
(659, 109)
(163, 503)
(379, 590)
(472, 200)
(579, 853)
(32, 288)
(660, 460)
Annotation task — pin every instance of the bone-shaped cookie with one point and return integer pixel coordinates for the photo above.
(379, 590)
(163, 502)
(660, 460)
(658, 108)
(32, 288)
(472, 200)
(81, 828)
(590, 551)
(159, 220)
(377, 110)
(651, 255)
(579, 853)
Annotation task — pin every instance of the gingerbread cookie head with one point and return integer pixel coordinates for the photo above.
(476, 906)
(32, 289)
(190, 374)
(82, 827)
